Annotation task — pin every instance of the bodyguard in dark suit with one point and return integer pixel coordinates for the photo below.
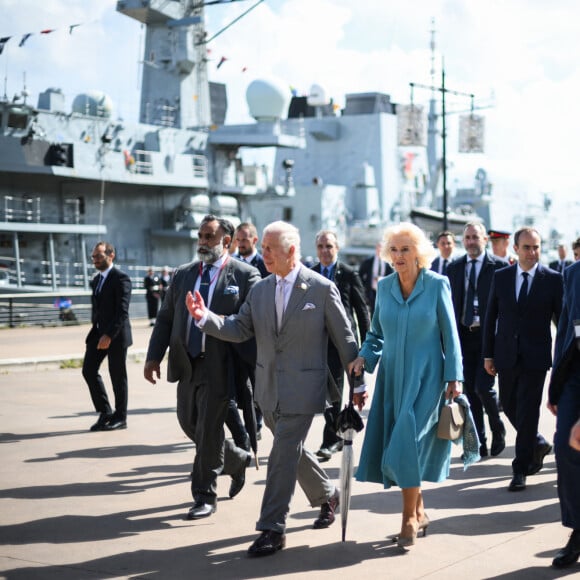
(246, 236)
(352, 295)
(445, 245)
(562, 263)
(470, 283)
(564, 402)
(370, 272)
(203, 366)
(110, 336)
(524, 300)
(292, 315)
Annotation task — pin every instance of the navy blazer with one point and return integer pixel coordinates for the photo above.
(566, 349)
(257, 262)
(352, 296)
(110, 312)
(511, 331)
(436, 261)
(456, 274)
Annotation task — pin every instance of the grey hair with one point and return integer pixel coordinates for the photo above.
(287, 234)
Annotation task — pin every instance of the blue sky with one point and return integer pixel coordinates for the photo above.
(524, 53)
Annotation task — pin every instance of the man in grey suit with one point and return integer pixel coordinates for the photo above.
(203, 366)
(291, 314)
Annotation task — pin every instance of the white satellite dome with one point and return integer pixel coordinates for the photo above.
(317, 96)
(93, 103)
(268, 99)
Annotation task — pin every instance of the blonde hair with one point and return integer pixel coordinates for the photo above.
(425, 250)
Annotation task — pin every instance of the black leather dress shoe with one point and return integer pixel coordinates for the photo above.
(239, 479)
(483, 450)
(102, 423)
(497, 443)
(518, 482)
(570, 553)
(327, 511)
(115, 424)
(201, 510)
(269, 542)
(540, 453)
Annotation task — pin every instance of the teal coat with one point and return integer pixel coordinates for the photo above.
(417, 343)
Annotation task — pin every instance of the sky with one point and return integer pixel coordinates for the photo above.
(518, 57)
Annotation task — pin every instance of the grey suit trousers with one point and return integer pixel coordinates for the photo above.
(289, 462)
(201, 415)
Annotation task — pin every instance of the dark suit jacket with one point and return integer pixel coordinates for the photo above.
(456, 275)
(365, 272)
(110, 308)
(557, 265)
(511, 331)
(232, 286)
(435, 263)
(352, 295)
(566, 349)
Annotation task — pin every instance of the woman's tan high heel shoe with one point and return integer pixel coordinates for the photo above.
(407, 539)
(423, 525)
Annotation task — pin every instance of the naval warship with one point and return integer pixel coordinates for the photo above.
(71, 177)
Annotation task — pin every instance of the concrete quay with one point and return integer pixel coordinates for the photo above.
(77, 505)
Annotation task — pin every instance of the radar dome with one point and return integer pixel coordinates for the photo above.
(93, 103)
(268, 99)
(317, 96)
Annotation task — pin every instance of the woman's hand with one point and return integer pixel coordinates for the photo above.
(453, 389)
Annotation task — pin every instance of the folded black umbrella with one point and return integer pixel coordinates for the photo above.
(348, 424)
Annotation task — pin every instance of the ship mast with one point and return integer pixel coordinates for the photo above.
(175, 85)
(432, 160)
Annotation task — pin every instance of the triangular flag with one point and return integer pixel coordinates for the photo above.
(222, 60)
(3, 42)
(47, 31)
(72, 27)
(25, 38)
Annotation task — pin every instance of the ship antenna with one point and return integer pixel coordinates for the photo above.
(232, 22)
(432, 47)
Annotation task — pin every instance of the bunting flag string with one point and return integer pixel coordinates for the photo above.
(4, 40)
(224, 59)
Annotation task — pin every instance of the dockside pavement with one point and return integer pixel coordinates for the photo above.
(77, 505)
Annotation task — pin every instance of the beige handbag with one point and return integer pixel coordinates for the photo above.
(451, 421)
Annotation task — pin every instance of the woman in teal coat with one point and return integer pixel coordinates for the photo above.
(414, 335)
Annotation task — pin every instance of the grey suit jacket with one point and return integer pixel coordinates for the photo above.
(291, 369)
(232, 287)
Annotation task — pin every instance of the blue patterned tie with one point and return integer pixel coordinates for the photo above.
(325, 272)
(195, 335)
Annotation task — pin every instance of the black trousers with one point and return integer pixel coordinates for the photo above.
(478, 384)
(520, 393)
(329, 436)
(568, 459)
(117, 359)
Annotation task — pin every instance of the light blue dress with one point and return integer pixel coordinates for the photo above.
(417, 343)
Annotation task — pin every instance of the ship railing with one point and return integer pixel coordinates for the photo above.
(60, 308)
(143, 163)
(200, 166)
(21, 209)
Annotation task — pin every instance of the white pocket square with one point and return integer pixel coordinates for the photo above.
(309, 306)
